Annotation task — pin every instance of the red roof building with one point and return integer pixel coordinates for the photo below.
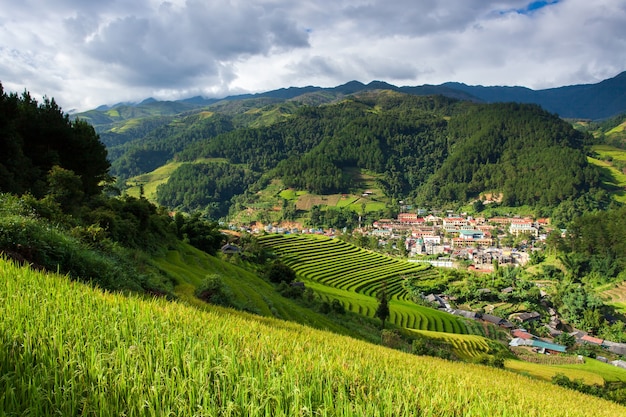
(592, 340)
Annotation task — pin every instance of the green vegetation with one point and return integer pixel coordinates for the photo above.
(428, 151)
(35, 137)
(207, 187)
(71, 350)
(340, 271)
(528, 155)
(611, 163)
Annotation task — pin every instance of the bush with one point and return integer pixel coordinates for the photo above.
(290, 290)
(279, 272)
(337, 307)
(213, 291)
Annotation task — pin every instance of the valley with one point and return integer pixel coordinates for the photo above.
(263, 239)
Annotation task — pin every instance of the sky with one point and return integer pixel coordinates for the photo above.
(85, 53)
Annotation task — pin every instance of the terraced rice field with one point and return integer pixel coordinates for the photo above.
(336, 270)
(338, 264)
(465, 346)
(616, 296)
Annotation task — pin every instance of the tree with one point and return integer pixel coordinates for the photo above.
(478, 206)
(565, 339)
(382, 312)
(64, 188)
(202, 234)
(279, 272)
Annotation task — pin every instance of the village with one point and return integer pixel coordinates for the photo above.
(479, 244)
(446, 240)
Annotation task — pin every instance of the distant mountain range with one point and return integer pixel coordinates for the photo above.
(585, 101)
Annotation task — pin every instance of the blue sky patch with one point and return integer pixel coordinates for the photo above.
(536, 5)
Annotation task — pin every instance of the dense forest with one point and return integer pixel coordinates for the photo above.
(431, 150)
(205, 187)
(161, 143)
(36, 137)
(530, 156)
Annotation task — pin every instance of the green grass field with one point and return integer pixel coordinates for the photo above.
(188, 267)
(68, 349)
(612, 177)
(152, 180)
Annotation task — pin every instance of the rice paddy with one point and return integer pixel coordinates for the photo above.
(69, 349)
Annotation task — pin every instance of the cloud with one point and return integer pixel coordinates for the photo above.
(173, 46)
(86, 53)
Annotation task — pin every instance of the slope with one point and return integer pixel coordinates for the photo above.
(68, 349)
(587, 101)
(188, 267)
(353, 276)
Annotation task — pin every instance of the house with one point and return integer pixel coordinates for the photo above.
(409, 218)
(527, 227)
(497, 321)
(546, 347)
(432, 219)
(526, 317)
(591, 340)
(522, 334)
(518, 341)
(465, 313)
(538, 345)
(470, 234)
(493, 319)
(436, 299)
(619, 363)
(614, 347)
(453, 223)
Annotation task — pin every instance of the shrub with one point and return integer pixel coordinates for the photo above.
(290, 291)
(279, 272)
(213, 291)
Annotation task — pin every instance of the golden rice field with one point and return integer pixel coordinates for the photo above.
(70, 350)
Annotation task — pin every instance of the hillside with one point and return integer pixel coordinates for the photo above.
(122, 355)
(587, 101)
(427, 150)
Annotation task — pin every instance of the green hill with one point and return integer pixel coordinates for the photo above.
(68, 349)
(427, 150)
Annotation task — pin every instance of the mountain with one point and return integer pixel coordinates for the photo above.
(585, 101)
(430, 150)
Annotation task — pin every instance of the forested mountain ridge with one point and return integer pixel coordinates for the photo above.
(430, 150)
(586, 101)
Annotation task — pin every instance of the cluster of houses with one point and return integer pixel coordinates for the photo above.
(462, 237)
(452, 236)
(521, 337)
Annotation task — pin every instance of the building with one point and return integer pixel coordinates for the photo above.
(523, 227)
